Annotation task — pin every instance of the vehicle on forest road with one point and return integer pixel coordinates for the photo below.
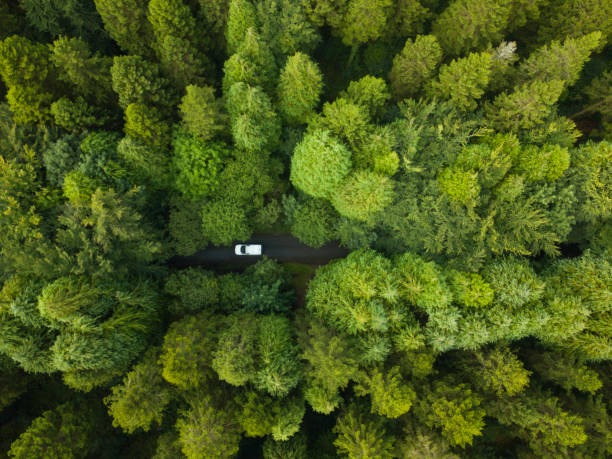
(248, 249)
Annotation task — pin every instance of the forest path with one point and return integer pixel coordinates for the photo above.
(280, 247)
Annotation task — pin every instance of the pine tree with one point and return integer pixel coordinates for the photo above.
(30, 77)
(556, 61)
(241, 17)
(455, 410)
(187, 351)
(65, 431)
(202, 114)
(284, 26)
(414, 65)
(467, 25)
(208, 428)
(126, 22)
(362, 194)
(253, 64)
(299, 89)
(319, 164)
(463, 81)
(89, 74)
(576, 18)
(360, 435)
(254, 124)
(140, 400)
(526, 107)
(391, 395)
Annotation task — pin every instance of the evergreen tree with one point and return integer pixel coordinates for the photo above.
(299, 89)
(575, 18)
(60, 432)
(556, 61)
(126, 22)
(319, 164)
(414, 65)
(202, 114)
(240, 18)
(208, 428)
(526, 107)
(467, 25)
(140, 401)
(254, 124)
(89, 74)
(360, 435)
(464, 80)
(454, 409)
(362, 194)
(391, 395)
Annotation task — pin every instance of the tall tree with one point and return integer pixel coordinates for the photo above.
(126, 22)
(467, 25)
(414, 65)
(299, 89)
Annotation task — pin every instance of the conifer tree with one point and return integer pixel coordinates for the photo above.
(526, 107)
(126, 22)
(391, 395)
(202, 114)
(299, 89)
(559, 61)
(362, 194)
(140, 400)
(360, 435)
(414, 65)
(319, 164)
(463, 81)
(240, 18)
(471, 25)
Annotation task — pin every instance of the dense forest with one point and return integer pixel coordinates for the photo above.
(461, 150)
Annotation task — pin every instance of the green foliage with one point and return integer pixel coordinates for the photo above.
(319, 164)
(197, 164)
(591, 175)
(224, 221)
(186, 355)
(294, 448)
(241, 17)
(365, 21)
(147, 125)
(208, 428)
(139, 402)
(467, 25)
(201, 113)
(556, 61)
(500, 371)
(360, 435)
(136, 80)
(369, 92)
(362, 194)
(60, 432)
(29, 75)
(252, 64)
(312, 221)
(464, 80)
(89, 74)
(565, 370)
(454, 409)
(299, 89)
(526, 107)
(126, 23)
(391, 395)
(255, 126)
(575, 18)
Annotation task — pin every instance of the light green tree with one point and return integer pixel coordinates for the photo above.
(414, 66)
(299, 88)
(202, 114)
(463, 81)
(126, 22)
(467, 25)
(319, 164)
(140, 400)
(362, 194)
